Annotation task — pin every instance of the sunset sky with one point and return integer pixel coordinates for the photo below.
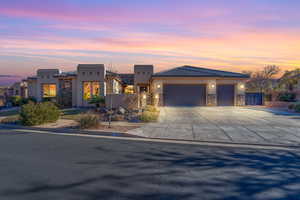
(231, 35)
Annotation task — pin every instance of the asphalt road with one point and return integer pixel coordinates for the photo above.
(41, 166)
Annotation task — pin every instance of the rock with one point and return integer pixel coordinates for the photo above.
(121, 110)
(117, 117)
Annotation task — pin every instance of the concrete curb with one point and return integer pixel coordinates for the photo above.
(125, 136)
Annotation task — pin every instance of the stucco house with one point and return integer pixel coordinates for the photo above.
(181, 86)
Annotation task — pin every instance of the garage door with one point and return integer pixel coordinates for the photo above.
(225, 95)
(184, 95)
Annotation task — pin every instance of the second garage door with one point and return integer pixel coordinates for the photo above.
(184, 95)
(225, 95)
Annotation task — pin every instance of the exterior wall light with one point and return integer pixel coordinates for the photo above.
(144, 96)
(158, 86)
(242, 86)
(213, 86)
(156, 96)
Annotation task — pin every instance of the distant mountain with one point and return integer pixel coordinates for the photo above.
(7, 80)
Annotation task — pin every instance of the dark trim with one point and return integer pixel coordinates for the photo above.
(208, 76)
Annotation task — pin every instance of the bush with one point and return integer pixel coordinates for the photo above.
(88, 120)
(27, 100)
(15, 100)
(97, 100)
(19, 101)
(151, 108)
(287, 97)
(35, 114)
(117, 117)
(148, 116)
(297, 107)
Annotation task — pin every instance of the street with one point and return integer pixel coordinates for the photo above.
(43, 166)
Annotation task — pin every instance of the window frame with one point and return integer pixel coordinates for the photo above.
(89, 91)
(47, 94)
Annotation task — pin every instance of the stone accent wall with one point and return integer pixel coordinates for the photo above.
(211, 100)
(240, 100)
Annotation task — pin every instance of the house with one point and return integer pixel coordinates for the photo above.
(181, 86)
(3, 96)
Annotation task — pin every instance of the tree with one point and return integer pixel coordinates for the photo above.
(289, 79)
(262, 81)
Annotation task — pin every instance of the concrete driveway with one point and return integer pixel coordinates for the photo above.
(251, 125)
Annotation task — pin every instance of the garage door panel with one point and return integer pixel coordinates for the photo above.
(184, 95)
(225, 95)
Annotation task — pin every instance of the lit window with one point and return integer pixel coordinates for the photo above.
(90, 89)
(116, 87)
(95, 89)
(129, 89)
(49, 90)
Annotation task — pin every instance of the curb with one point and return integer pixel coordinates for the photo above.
(125, 136)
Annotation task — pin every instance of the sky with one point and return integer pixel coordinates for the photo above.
(232, 35)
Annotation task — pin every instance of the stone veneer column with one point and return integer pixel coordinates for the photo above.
(240, 98)
(211, 93)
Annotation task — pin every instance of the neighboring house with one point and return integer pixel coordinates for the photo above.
(18, 89)
(181, 86)
(3, 96)
(290, 84)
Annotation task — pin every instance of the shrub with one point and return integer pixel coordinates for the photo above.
(88, 120)
(148, 116)
(27, 100)
(117, 117)
(297, 107)
(35, 114)
(15, 100)
(151, 108)
(288, 97)
(19, 101)
(268, 97)
(97, 100)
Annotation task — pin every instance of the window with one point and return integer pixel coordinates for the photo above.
(116, 87)
(91, 73)
(90, 88)
(83, 73)
(49, 90)
(129, 89)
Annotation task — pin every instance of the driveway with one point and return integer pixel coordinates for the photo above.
(251, 125)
